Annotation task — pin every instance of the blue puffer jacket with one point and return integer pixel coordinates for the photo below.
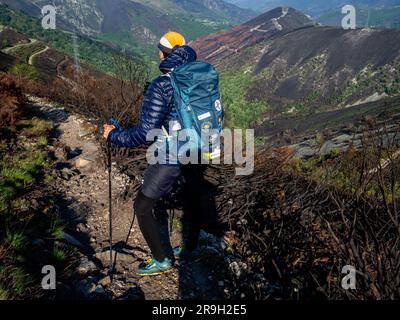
(158, 104)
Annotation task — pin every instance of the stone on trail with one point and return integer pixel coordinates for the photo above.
(71, 240)
(61, 153)
(83, 134)
(104, 257)
(82, 163)
(86, 287)
(86, 266)
(105, 281)
(99, 290)
(74, 153)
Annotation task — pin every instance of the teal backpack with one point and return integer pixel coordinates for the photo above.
(198, 106)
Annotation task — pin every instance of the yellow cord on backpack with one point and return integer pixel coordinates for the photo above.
(212, 155)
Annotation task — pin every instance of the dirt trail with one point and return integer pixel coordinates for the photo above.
(30, 61)
(9, 49)
(32, 41)
(83, 181)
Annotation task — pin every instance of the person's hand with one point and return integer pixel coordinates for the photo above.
(107, 129)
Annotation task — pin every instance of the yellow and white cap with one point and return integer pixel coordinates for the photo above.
(170, 41)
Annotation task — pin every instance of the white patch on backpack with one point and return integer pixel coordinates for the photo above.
(218, 105)
(204, 116)
(176, 126)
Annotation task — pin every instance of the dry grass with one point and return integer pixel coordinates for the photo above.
(12, 101)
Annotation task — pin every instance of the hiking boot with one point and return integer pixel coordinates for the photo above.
(152, 267)
(182, 251)
(178, 251)
(183, 254)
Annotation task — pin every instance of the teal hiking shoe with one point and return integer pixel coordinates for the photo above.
(181, 253)
(178, 251)
(152, 267)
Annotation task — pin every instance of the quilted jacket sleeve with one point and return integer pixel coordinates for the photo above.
(155, 110)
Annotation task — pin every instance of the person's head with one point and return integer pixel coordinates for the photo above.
(170, 42)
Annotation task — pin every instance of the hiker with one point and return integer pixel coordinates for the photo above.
(157, 111)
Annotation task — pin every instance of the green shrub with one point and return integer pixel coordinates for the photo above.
(34, 127)
(16, 240)
(57, 230)
(42, 141)
(25, 71)
(240, 112)
(15, 281)
(58, 254)
(17, 177)
(3, 294)
(25, 202)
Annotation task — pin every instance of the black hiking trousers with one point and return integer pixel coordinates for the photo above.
(158, 181)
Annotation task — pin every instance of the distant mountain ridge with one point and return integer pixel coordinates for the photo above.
(277, 22)
(138, 24)
(312, 7)
(295, 66)
(386, 17)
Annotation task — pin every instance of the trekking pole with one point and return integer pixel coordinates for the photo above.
(110, 270)
(118, 126)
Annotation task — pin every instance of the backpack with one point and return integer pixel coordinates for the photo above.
(198, 106)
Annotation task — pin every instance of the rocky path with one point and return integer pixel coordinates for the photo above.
(83, 181)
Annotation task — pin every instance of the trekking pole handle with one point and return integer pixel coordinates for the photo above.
(115, 123)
